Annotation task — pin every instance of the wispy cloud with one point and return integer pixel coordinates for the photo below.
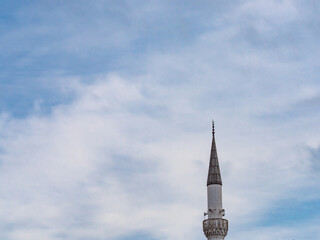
(113, 138)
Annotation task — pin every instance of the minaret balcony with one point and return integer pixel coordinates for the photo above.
(215, 227)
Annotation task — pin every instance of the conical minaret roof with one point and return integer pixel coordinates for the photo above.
(214, 176)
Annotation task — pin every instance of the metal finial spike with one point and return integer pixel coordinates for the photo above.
(212, 127)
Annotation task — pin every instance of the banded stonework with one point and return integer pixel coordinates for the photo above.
(215, 227)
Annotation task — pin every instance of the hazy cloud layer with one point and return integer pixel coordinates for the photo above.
(105, 128)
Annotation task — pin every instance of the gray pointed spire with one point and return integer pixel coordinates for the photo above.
(214, 176)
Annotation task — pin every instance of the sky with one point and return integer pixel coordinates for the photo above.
(106, 109)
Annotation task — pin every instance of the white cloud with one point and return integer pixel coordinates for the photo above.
(98, 168)
(60, 173)
(129, 154)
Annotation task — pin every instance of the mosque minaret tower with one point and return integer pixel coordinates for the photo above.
(214, 227)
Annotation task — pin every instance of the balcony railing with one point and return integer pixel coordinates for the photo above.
(215, 227)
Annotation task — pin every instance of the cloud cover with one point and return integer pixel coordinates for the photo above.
(112, 139)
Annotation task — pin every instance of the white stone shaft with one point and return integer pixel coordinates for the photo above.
(214, 192)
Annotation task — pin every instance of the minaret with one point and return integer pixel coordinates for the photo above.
(214, 227)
